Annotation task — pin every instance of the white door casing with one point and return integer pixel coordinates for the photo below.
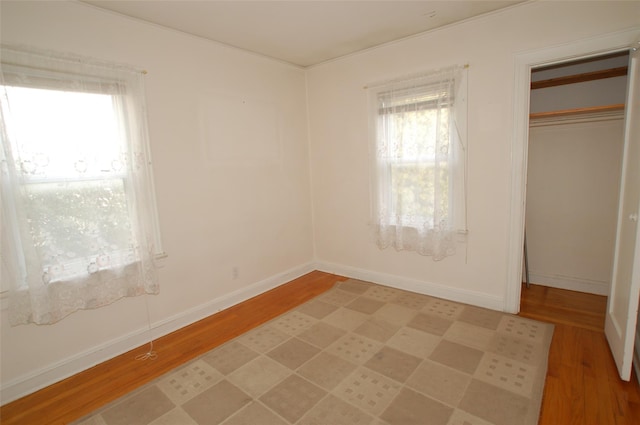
(524, 62)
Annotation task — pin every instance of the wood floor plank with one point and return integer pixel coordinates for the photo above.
(583, 385)
(597, 400)
(563, 306)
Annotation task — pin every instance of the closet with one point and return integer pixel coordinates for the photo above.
(573, 173)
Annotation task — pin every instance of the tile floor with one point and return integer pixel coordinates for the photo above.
(358, 354)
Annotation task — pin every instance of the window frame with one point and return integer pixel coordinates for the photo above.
(13, 76)
(432, 96)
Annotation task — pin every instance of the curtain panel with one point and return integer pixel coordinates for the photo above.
(418, 140)
(78, 209)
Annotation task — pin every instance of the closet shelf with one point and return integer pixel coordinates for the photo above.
(580, 78)
(578, 111)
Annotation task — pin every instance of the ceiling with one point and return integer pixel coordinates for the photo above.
(302, 32)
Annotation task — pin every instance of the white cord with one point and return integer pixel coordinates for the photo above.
(151, 354)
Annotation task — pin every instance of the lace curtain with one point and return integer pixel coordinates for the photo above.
(419, 162)
(78, 213)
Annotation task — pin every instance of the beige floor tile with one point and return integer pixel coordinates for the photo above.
(293, 323)
(293, 353)
(355, 348)
(355, 286)
(516, 349)
(460, 417)
(431, 324)
(449, 310)
(365, 305)
(478, 316)
(368, 390)
(470, 335)
(347, 319)
(229, 357)
(176, 416)
(439, 382)
(395, 313)
(140, 408)
(321, 334)
(378, 329)
(263, 339)
(259, 375)
(338, 297)
(255, 414)
(522, 328)
(382, 293)
(411, 300)
(293, 397)
(216, 403)
(412, 408)
(393, 363)
(457, 356)
(507, 374)
(317, 308)
(189, 381)
(333, 411)
(415, 342)
(326, 370)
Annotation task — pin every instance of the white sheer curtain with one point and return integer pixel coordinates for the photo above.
(418, 131)
(78, 209)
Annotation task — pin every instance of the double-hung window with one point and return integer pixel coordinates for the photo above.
(79, 218)
(417, 129)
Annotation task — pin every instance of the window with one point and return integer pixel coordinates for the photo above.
(418, 173)
(77, 190)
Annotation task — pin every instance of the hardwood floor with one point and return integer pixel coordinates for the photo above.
(563, 307)
(582, 384)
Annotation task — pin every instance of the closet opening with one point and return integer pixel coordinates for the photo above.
(575, 153)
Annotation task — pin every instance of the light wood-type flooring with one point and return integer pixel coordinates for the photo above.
(582, 384)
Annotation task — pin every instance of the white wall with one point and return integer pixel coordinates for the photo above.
(339, 146)
(256, 216)
(250, 211)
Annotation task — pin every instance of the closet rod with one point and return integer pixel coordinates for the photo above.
(577, 111)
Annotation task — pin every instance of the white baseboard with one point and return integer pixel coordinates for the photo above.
(414, 285)
(571, 283)
(53, 373)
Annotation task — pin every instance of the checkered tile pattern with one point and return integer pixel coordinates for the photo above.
(360, 354)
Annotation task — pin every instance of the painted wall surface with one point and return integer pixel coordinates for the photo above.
(227, 197)
(253, 210)
(340, 148)
(572, 203)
